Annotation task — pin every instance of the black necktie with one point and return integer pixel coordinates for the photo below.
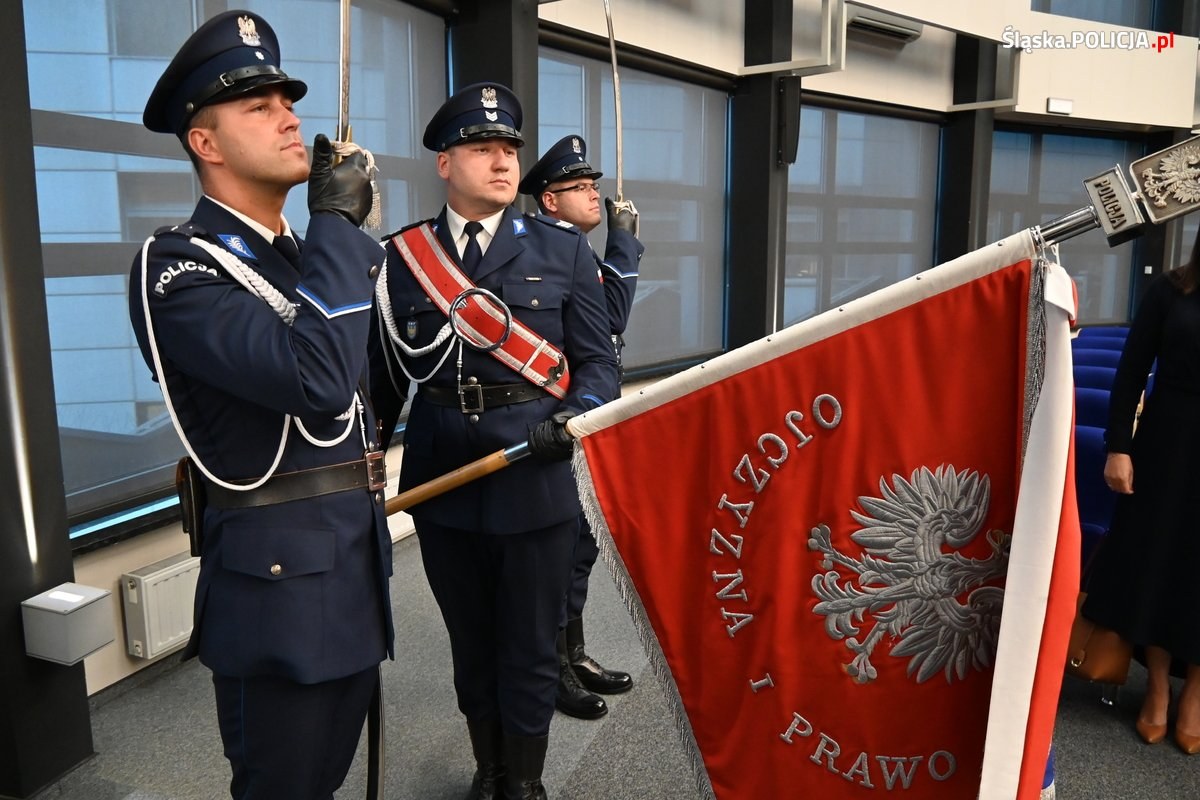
(287, 246)
(472, 253)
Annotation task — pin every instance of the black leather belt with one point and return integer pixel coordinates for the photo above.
(475, 398)
(368, 472)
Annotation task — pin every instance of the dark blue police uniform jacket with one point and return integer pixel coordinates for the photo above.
(622, 254)
(297, 589)
(548, 278)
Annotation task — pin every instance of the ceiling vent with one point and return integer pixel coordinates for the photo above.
(880, 25)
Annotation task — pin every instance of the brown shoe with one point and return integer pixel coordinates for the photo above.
(1151, 733)
(1187, 743)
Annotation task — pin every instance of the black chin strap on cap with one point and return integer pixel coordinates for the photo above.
(488, 131)
(228, 80)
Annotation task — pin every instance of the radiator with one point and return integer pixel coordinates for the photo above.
(158, 605)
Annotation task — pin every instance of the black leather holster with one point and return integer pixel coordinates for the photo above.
(189, 483)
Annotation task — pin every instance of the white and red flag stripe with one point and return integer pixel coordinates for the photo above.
(852, 547)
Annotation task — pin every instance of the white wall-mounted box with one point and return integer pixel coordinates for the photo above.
(67, 623)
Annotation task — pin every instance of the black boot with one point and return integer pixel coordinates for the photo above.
(571, 698)
(525, 756)
(592, 676)
(487, 745)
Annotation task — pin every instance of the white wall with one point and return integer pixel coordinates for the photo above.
(1117, 88)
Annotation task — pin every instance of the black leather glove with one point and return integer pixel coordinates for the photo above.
(344, 189)
(624, 218)
(549, 439)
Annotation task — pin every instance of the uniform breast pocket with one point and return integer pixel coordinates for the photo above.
(276, 554)
(417, 318)
(538, 305)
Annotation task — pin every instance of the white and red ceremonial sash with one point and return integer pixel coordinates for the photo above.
(524, 351)
(852, 547)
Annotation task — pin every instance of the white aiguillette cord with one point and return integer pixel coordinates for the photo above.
(374, 220)
(261, 288)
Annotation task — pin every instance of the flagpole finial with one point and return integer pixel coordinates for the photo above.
(1167, 185)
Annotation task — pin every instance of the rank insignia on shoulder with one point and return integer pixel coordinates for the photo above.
(237, 244)
(518, 227)
(553, 222)
(187, 230)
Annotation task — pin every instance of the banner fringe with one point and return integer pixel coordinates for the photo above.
(1035, 342)
(641, 623)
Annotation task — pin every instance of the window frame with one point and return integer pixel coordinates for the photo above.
(140, 509)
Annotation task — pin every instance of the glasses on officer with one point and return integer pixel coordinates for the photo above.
(582, 188)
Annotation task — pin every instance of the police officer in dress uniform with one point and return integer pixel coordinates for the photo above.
(565, 187)
(497, 551)
(259, 343)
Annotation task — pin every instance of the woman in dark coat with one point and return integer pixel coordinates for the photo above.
(1143, 579)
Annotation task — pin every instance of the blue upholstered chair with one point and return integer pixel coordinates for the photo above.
(1089, 357)
(1104, 330)
(1099, 342)
(1096, 500)
(1089, 377)
(1091, 407)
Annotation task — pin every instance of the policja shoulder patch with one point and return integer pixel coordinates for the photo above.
(172, 272)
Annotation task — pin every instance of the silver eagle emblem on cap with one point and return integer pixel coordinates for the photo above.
(488, 97)
(575, 144)
(248, 31)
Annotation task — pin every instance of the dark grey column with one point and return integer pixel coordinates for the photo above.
(497, 40)
(44, 724)
(757, 180)
(965, 177)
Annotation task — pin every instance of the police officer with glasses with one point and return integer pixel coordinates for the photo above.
(567, 192)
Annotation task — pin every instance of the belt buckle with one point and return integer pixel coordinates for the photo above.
(470, 398)
(376, 470)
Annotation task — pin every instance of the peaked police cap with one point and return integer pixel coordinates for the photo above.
(233, 53)
(478, 111)
(565, 160)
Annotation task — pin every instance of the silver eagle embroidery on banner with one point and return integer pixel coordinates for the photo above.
(911, 579)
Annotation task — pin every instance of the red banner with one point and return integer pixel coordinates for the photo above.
(816, 533)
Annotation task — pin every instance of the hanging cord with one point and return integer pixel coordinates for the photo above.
(261, 288)
(389, 321)
(374, 220)
(257, 285)
(162, 381)
(250, 280)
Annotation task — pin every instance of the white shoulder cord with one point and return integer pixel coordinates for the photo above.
(260, 287)
(256, 284)
(350, 414)
(389, 321)
(253, 282)
(162, 381)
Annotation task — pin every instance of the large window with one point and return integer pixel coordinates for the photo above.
(1037, 177)
(674, 171)
(861, 200)
(1127, 13)
(104, 184)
